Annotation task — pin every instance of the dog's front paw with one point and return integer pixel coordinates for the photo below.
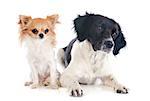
(76, 91)
(28, 83)
(121, 89)
(34, 85)
(54, 86)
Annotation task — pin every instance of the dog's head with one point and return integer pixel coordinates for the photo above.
(37, 28)
(103, 33)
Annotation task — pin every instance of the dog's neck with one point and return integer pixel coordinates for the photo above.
(90, 55)
(88, 49)
(38, 46)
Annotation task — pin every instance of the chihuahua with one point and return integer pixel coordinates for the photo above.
(39, 37)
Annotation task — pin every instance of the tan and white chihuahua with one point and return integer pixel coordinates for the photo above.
(39, 37)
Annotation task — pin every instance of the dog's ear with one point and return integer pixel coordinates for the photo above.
(53, 19)
(24, 20)
(79, 27)
(119, 40)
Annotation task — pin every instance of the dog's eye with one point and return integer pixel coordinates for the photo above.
(35, 31)
(46, 31)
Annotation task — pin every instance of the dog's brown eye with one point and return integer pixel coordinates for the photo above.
(46, 31)
(35, 31)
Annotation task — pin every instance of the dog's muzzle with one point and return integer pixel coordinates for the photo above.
(108, 44)
(41, 35)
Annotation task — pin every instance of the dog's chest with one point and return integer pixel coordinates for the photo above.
(40, 53)
(97, 59)
(91, 62)
(94, 59)
(40, 50)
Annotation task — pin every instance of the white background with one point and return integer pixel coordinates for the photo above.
(131, 66)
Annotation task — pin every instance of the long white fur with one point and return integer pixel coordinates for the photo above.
(41, 59)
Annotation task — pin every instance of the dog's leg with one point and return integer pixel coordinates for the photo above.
(28, 83)
(105, 74)
(72, 84)
(74, 71)
(111, 82)
(35, 77)
(54, 75)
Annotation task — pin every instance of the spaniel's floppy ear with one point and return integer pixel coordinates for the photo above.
(119, 41)
(79, 27)
(24, 20)
(53, 19)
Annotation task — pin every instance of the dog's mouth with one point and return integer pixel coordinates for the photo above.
(106, 50)
(102, 48)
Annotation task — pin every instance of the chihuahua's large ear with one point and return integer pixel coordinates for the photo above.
(119, 40)
(53, 19)
(24, 20)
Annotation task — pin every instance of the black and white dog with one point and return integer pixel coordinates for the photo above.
(86, 57)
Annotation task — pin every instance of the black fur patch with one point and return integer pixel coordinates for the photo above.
(67, 50)
(119, 43)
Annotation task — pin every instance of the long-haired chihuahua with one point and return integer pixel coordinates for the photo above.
(39, 37)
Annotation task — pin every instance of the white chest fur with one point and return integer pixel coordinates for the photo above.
(87, 64)
(41, 54)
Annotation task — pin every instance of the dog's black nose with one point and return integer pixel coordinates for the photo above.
(108, 44)
(41, 35)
